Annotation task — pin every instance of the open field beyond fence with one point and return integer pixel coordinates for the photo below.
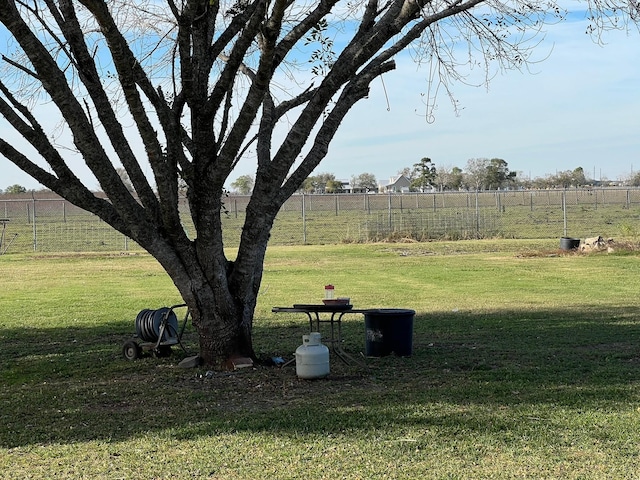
(44, 224)
(526, 364)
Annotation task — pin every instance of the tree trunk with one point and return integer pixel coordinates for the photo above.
(220, 294)
(220, 338)
(221, 318)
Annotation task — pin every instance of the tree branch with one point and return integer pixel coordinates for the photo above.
(130, 75)
(19, 66)
(55, 83)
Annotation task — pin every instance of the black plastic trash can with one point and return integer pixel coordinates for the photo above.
(568, 243)
(388, 330)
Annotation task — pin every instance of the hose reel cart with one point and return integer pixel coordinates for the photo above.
(158, 332)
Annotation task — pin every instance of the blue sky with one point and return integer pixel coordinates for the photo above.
(580, 107)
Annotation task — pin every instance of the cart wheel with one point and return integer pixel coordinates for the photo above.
(163, 351)
(131, 350)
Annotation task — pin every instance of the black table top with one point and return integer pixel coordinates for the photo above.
(321, 307)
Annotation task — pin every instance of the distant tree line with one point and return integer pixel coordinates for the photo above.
(14, 189)
(478, 174)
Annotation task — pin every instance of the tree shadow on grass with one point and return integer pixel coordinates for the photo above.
(469, 372)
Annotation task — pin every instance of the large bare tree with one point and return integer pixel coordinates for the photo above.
(176, 92)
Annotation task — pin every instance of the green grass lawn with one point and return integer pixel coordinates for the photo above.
(525, 364)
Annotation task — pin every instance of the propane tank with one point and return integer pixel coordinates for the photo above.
(312, 357)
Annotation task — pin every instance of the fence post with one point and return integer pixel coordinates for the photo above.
(335, 196)
(531, 200)
(477, 216)
(35, 229)
(390, 221)
(564, 211)
(304, 221)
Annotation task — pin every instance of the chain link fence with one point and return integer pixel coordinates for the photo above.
(41, 224)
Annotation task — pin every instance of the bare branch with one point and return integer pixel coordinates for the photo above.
(19, 66)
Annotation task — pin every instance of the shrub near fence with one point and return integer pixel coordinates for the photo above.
(46, 224)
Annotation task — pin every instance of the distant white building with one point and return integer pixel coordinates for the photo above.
(399, 184)
(348, 188)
